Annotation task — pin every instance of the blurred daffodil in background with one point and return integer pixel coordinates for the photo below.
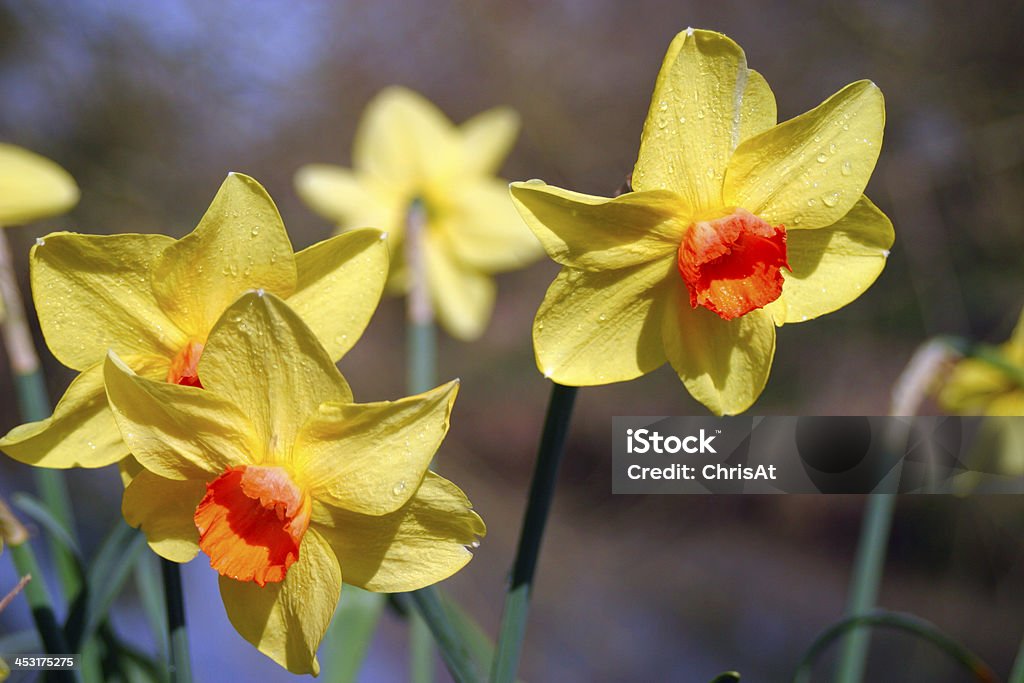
(407, 151)
(989, 385)
(32, 187)
(153, 300)
(287, 485)
(736, 225)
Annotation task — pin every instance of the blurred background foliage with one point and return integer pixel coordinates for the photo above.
(149, 105)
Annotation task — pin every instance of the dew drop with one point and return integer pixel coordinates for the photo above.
(822, 158)
(682, 119)
(40, 241)
(700, 113)
(399, 488)
(812, 202)
(845, 167)
(831, 199)
(255, 230)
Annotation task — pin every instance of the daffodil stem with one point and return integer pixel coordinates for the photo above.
(1017, 673)
(542, 491)
(454, 651)
(35, 591)
(421, 375)
(174, 598)
(34, 405)
(422, 332)
(907, 395)
(908, 623)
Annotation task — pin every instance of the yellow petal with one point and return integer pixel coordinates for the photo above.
(93, 293)
(267, 362)
(974, 386)
(759, 112)
(239, 244)
(463, 297)
(694, 122)
(343, 198)
(485, 230)
(5, 671)
(81, 432)
(487, 139)
(415, 546)
(287, 620)
(595, 233)
(32, 186)
(339, 286)
(370, 458)
(724, 364)
(176, 431)
(164, 509)
(602, 327)
(404, 139)
(809, 171)
(834, 265)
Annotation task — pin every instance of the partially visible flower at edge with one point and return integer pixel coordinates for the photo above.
(405, 150)
(736, 225)
(32, 187)
(285, 483)
(979, 387)
(153, 300)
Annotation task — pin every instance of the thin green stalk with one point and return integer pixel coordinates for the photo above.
(908, 392)
(1017, 674)
(453, 650)
(542, 490)
(867, 576)
(421, 375)
(35, 591)
(34, 405)
(981, 671)
(180, 663)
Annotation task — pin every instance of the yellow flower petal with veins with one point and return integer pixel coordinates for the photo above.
(407, 150)
(287, 484)
(735, 225)
(32, 187)
(154, 300)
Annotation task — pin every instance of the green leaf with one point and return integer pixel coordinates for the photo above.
(103, 583)
(151, 595)
(35, 510)
(348, 638)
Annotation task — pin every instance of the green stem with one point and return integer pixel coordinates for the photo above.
(35, 591)
(1017, 674)
(34, 405)
(180, 664)
(542, 491)
(903, 622)
(453, 650)
(421, 375)
(867, 576)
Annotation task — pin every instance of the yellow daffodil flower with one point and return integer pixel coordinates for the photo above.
(736, 225)
(407, 150)
(285, 483)
(32, 187)
(153, 300)
(980, 387)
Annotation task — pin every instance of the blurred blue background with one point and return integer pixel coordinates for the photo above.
(149, 105)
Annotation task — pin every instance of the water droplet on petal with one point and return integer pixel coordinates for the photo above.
(831, 199)
(845, 167)
(822, 158)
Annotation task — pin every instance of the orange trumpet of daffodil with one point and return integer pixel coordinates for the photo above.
(736, 225)
(153, 300)
(406, 150)
(287, 485)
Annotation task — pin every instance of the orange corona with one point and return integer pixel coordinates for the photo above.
(733, 265)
